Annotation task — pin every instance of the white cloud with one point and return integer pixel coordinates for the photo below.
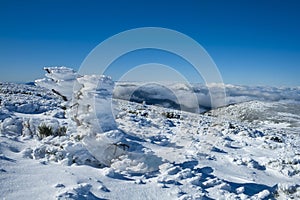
(183, 95)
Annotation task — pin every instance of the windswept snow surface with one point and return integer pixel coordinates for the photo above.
(248, 150)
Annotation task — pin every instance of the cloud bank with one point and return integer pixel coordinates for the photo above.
(196, 98)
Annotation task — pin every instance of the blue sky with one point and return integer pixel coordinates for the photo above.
(252, 42)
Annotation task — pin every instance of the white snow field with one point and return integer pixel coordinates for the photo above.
(66, 138)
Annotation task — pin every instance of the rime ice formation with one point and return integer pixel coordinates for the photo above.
(89, 97)
(89, 100)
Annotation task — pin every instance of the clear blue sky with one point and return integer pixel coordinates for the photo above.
(252, 42)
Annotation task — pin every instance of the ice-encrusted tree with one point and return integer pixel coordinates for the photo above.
(88, 99)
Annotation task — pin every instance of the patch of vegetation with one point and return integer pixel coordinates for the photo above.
(171, 115)
(276, 139)
(61, 131)
(139, 112)
(45, 131)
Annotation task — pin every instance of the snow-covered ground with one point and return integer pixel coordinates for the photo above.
(247, 150)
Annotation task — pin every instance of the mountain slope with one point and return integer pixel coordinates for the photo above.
(154, 153)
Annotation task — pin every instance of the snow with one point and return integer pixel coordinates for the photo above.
(117, 149)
